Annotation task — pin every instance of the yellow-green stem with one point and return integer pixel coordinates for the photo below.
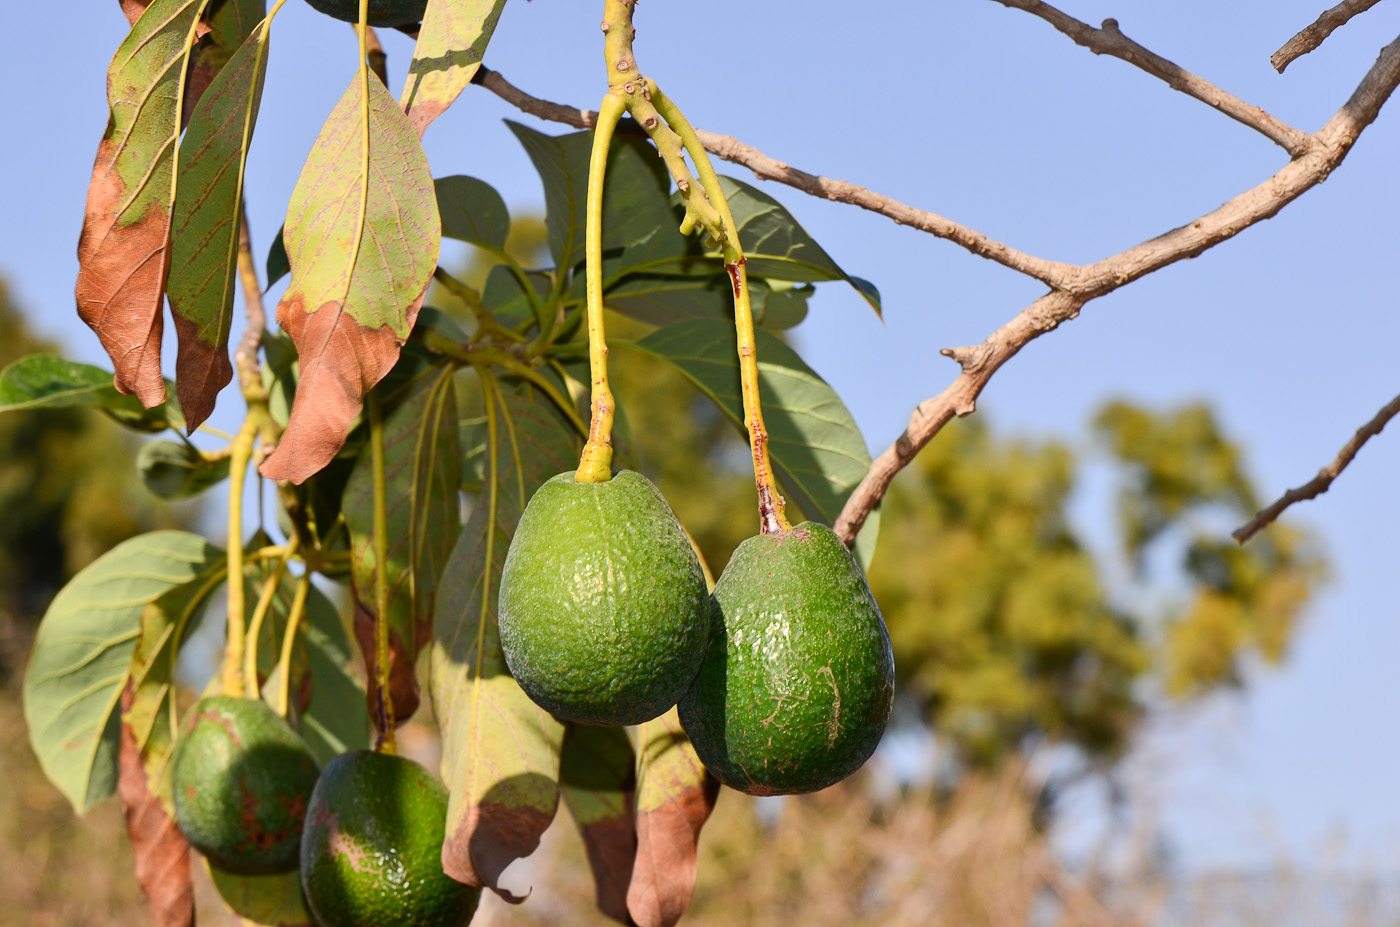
(269, 591)
(284, 661)
(595, 464)
(384, 703)
(239, 455)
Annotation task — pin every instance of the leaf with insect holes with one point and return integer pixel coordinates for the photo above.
(815, 445)
(500, 749)
(362, 237)
(123, 250)
(421, 461)
(205, 229)
(82, 654)
(451, 41)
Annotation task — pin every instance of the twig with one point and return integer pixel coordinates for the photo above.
(1329, 146)
(1320, 483)
(1314, 35)
(1108, 40)
(374, 54)
(245, 356)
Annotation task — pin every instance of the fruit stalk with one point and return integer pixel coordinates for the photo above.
(269, 592)
(284, 661)
(240, 454)
(595, 464)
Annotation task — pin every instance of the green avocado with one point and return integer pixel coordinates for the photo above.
(795, 691)
(371, 854)
(381, 12)
(241, 781)
(604, 615)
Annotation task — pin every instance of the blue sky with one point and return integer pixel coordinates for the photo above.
(990, 117)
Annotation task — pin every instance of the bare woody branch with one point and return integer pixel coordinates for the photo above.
(1327, 148)
(1108, 40)
(1320, 483)
(1314, 35)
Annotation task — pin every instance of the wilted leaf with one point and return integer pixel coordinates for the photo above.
(174, 471)
(675, 795)
(47, 380)
(597, 777)
(817, 450)
(161, 853)
(123, 251)
(500, 750)
(421, 461)
(451, 41)
(362, 235)
(83, 651)
(204, 235)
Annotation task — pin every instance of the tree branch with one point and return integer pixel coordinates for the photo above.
(1327, 148)
(1314, 35)
(1108, 40)
(1320, 483)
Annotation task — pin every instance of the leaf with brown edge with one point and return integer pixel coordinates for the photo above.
(123, 251)
(597, 778)
(264, 900)
(500, 750)
(362, 237)
(205, 227)
(675, 795)
(451, 41)
(421, 461)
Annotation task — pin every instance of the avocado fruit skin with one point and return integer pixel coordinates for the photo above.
(604, 612)
(241, 782)
(387, 13)
(371, 854)
(798, 683)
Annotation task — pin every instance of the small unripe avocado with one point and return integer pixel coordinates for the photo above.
(241, 781)
(381, 12)
(604, 615)
(798, 682)
(371, 855)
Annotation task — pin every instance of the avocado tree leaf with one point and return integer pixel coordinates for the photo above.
(472, 211)
(421, 462)
(500, 749)
(264, 900)
(226, 23)
(662, 299)
(816, 447)
(278, 266)
(634, 202)
(362, 237)
(82, 656)
(205, 227)
(49, 381)
(123, 250)
(174, 471)
(451, 41)
(597, 778)
(675, 795)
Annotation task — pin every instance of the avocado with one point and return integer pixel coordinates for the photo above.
(381, 12)
(371, 854)
(797, 685)
(604, 615)
(241, 782)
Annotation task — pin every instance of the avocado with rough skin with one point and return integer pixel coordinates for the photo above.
(241, 782)
(798, 682)
(381, 12)
(371, 854)
(604, 613)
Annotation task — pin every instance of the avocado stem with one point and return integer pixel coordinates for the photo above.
(240, 453)
(595, 464)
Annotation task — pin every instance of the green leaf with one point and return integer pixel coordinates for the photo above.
(662, 299)
(451, 41)
(337, 720)
(472, 211)
(817, 449)
(597, 778)
(264, 900)
(230, 22)
(421, 461)
(205, 228)
(278, 266)
(505, 298)
(122, 251)
(675, 796)
(174, 471)
(500, 750)
(83, 652)
(362, 235)
(635, 207)
(49, 381)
